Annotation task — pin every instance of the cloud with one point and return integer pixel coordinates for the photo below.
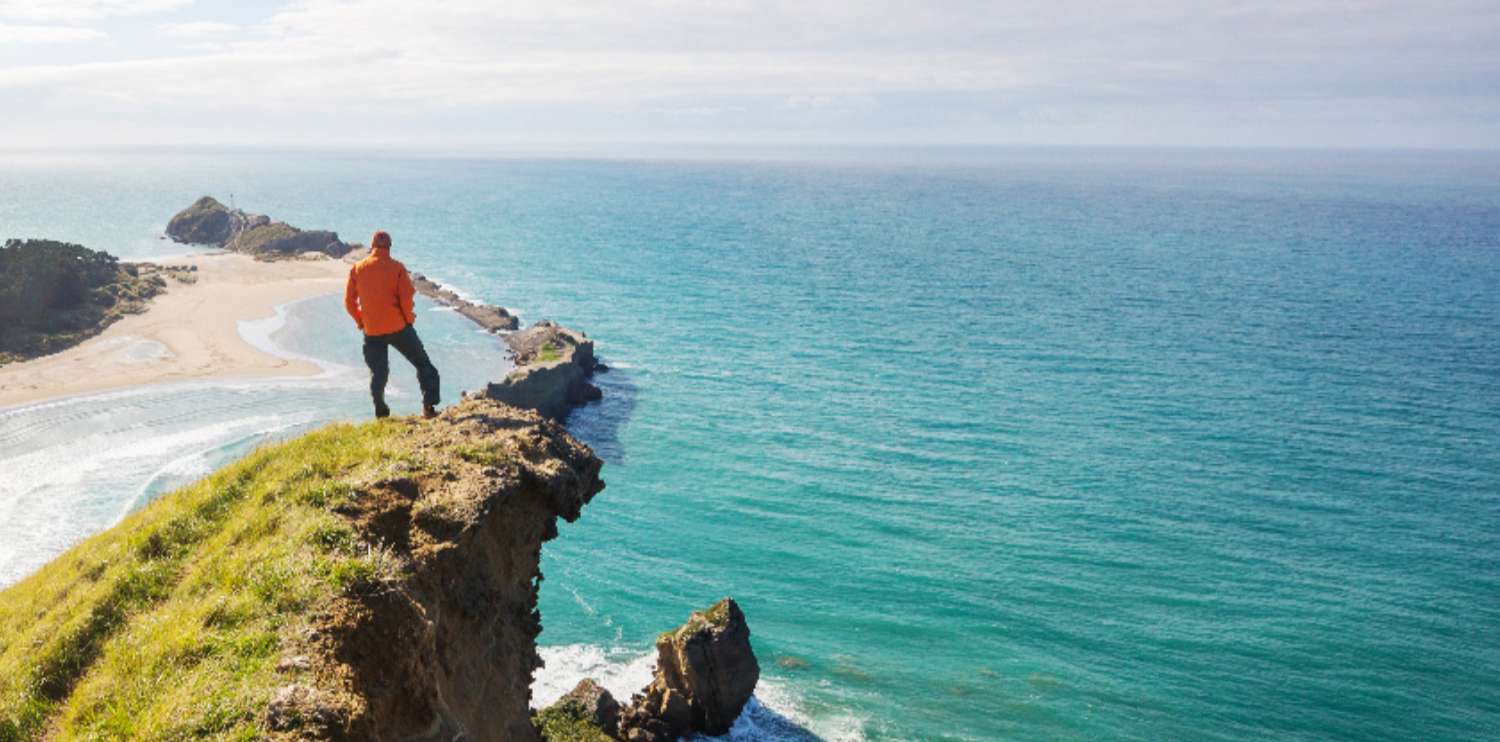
(17, 34)
(976, 68)
(83, 10)
(196, 29)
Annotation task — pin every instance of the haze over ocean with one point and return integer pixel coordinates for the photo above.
(1064, 444)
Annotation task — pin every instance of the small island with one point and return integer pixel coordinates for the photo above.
(209, 222)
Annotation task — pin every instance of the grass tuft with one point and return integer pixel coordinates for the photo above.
(567, 722)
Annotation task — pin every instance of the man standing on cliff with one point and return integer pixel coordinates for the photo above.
(379, 298)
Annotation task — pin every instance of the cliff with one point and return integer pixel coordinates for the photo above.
(208, 222)
(372, 582)
(54, 295)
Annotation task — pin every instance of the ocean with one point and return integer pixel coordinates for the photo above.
(988, 444)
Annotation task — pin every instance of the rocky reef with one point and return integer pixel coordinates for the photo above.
(209, 222)
(54, 295)
(705, 673)
(553, 368)
(488, 316)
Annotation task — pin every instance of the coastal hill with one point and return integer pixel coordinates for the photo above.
(54, 295)
(374, 581)
(368, 582)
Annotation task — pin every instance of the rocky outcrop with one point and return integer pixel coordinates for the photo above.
(705, 673)
(208, 222)
(553, 368)
(54, 295)
(447, 650)
(278, 240)
(488, 316)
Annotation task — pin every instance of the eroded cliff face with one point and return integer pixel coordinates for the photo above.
(372, 582)
(447, 650)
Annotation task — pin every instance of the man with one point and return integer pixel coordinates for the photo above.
(378, 297)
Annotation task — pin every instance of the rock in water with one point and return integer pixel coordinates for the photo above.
(705, 673)
(553, 366)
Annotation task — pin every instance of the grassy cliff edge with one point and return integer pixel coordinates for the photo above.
(361, 577)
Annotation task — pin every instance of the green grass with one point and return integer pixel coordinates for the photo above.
(171, 624)
(548, 353)
(566, 722)
(485, 454)
(716, 615)
(256, 239)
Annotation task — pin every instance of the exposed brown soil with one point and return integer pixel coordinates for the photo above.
(446, 648)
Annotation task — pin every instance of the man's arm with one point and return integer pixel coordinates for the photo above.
(351, 301)
(404, 292)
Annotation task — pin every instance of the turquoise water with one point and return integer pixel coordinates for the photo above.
(1011, 445)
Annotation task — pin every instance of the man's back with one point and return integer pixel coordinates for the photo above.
(383, 292)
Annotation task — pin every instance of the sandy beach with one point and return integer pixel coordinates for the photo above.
(190, 332)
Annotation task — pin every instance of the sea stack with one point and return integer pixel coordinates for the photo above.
(705, 673)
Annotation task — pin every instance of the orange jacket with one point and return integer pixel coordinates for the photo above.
(378, 295)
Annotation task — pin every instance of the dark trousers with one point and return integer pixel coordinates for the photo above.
(406, 343)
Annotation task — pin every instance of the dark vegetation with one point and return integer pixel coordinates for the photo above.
(54, 295)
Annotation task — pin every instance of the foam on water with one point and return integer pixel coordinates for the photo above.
(258, 332)
(197, 464)
(621, 670)
(774, 714)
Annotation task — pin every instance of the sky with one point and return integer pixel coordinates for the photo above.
(508, 75)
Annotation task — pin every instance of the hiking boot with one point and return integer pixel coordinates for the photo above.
(382, 412)
(429, 411)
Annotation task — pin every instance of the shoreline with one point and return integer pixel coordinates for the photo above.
(189, 333)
